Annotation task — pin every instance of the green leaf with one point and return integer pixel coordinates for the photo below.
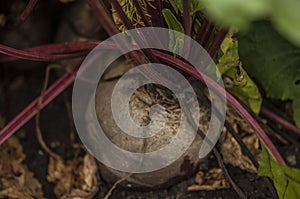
(273, 62)
(244, 88)
(296, 109)
(286, 180)
(284, 14)
(286, 18)
(176, 43)
(172, 21)
(195, 6)
(230, 56)
(238, 13)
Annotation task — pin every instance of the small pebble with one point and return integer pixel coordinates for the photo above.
(291, 159)
(40, 152)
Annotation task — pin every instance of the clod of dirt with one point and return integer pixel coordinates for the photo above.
(213, 179)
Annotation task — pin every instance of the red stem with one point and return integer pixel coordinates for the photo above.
(25, 14)
(136, 59)
(21, 54)
(205, 32)
(242, 111)
(267, 113)
(63, 82)
(141, 13)
(69, 50)
(186, 17)
(215, 46)
(103, 16)
(60, 85)
(122, 14)
(66, 80)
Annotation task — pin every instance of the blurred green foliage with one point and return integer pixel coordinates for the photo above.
(273, 62)
(284, 14)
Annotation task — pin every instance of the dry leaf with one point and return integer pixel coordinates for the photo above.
(16, 181)
(77, 179)
(212, 180)
(59, 173)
